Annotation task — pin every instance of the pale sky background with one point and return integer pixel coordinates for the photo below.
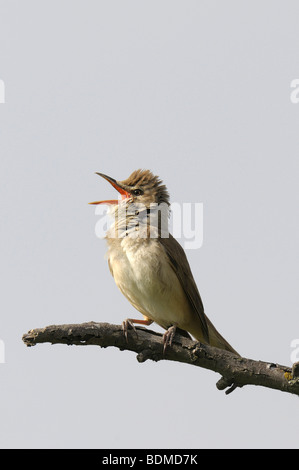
(198, 92)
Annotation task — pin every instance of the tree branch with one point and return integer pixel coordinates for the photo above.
(235, 371)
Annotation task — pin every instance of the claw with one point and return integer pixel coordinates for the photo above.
(168, 337)
(128, 323)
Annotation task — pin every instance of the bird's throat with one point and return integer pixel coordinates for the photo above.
(138, 221)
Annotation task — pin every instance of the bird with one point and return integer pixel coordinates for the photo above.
(148, 264)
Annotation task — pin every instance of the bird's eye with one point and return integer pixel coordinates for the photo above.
(137, 192)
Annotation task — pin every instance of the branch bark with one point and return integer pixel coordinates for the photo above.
(235, 371)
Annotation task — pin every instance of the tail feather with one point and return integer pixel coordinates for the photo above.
(215, 339)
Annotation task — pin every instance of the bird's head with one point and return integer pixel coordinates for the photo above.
(142, 187)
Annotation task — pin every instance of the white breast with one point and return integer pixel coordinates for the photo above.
(143, 274)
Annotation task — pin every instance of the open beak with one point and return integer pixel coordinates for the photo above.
(117, 186)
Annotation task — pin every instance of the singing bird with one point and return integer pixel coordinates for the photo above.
(149, 266)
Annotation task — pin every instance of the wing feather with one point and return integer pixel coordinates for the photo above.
(179, 263)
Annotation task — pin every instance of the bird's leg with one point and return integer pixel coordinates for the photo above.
(129, 323)
(168, 337)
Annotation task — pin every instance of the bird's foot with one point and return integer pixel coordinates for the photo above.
(126, 324)
(168, 337)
